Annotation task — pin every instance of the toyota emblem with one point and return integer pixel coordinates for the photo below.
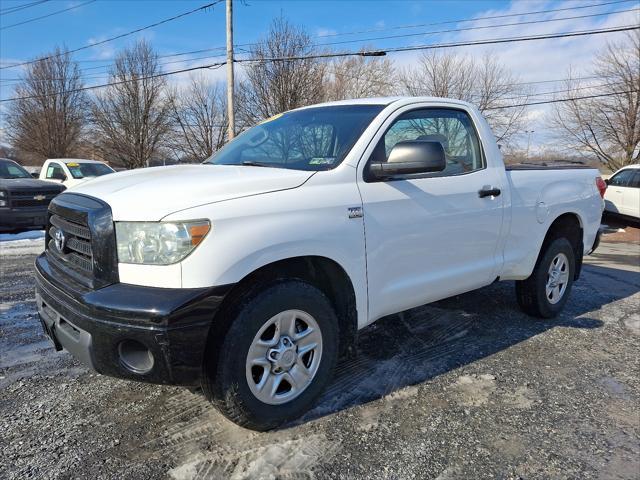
(59, 239)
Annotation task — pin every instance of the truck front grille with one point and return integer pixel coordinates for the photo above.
(70, 243)
(80, 240)
(32, 198)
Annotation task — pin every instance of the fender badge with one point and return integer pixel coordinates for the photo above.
(355, 212)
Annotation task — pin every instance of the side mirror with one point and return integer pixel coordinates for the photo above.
(35, 174)
(59, 176)
(411, 157)
(606, 180)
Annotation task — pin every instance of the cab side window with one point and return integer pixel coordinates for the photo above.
(635, 181)
(55, 172)
(451, 128)
(622, 179)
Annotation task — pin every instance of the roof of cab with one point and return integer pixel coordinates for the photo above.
(386, 101)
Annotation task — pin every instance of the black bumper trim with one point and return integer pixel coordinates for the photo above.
(596, 242)
(172, 323)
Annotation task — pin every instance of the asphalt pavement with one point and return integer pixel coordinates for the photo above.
(466, 388)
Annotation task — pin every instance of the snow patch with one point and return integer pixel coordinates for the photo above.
(25, 243)
(29, 235)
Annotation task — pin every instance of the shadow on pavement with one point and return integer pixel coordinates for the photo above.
(420, 344)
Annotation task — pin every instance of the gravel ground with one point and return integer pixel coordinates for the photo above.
(621, 229)
(466, 388)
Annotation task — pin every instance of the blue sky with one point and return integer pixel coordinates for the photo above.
(106, 18)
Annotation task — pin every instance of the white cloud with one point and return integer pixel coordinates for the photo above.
(325, 32)
(539, 59)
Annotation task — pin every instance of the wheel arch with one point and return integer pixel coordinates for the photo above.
(322, 272)
(570, 226)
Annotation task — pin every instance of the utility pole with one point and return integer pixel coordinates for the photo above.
(528, 132)
(230, 113)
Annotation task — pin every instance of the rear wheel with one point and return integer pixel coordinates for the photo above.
(276, 357)
(546, 291)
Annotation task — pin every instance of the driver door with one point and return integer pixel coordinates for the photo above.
(430, 236)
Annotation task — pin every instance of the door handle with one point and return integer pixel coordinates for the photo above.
(488, 192)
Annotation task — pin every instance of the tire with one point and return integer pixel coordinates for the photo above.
(532, 293)
(228, 373)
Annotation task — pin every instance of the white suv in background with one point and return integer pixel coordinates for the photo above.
(623, 193)
(72, 171)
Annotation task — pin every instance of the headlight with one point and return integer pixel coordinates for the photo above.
(3, 194)
(158, 243)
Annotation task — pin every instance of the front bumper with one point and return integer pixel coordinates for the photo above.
(14, 218)
(98, 327)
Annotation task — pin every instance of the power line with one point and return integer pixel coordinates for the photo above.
(530, 22)
(48, 15)
(492, 17)
(137, 30)
(492, 41)
(557, 100)
(561, 100)
(119, 82)
(17, 8)
(383, 29)
(361, 54)
(523, 95)
(106, 75)
(433, 24)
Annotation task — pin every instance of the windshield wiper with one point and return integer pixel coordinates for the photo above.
(251, 163)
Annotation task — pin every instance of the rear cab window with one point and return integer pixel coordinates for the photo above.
(452, 128)
(55, 171)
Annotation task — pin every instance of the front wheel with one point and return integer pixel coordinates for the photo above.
(546, 291)
(276, 357)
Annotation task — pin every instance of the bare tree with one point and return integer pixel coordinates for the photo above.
(606, 126)
(486, 84)
(272, 87)
(47, 117)
(359, 77)
(198, 115)
(131, 117)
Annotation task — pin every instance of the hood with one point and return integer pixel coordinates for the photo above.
(27, 183)
(153, 193)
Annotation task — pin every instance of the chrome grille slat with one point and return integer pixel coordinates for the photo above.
(79, 261)
(75, 243)
(80, 246)
(70, 227)
(76, 253)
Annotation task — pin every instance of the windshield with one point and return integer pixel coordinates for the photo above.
(82, 170)
(12, 170)
(311, 139)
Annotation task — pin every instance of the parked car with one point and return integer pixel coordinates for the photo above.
(73, 171)
(623, 192)
(251, 273)
(23, 199)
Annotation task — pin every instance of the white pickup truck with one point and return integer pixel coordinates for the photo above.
(71, 172)
(251, 273)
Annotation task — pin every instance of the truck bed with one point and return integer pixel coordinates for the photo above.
(546, 166)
